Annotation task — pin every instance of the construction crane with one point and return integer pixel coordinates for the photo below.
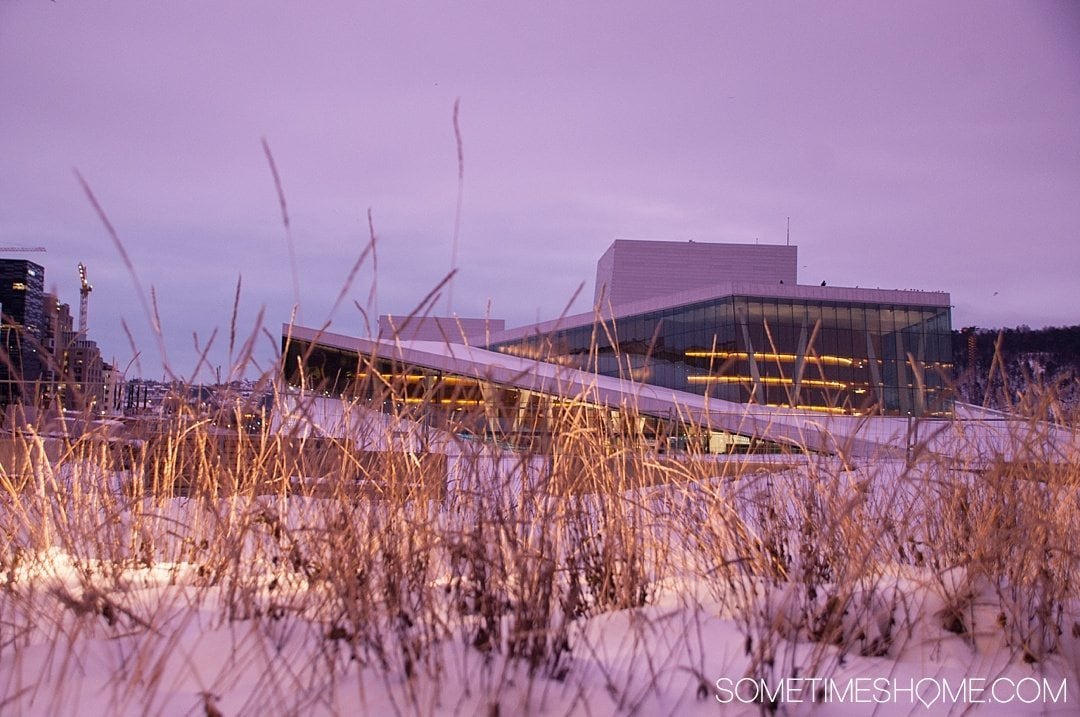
(84, 298)
(10, 249)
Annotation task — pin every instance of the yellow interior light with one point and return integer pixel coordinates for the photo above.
(809, 407)
(770, 380)
(825, 360)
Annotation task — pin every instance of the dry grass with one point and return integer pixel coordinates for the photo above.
(395, 577)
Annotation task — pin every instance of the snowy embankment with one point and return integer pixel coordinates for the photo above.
(796, 586)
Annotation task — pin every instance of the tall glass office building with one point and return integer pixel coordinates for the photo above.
(22, 300)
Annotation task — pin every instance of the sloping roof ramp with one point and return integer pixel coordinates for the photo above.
(852, 436)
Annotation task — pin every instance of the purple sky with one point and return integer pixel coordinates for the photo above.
(914, 145)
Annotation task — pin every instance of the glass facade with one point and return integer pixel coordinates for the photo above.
(831, 356)
(22, 302)
(479, 409)
(463, 405)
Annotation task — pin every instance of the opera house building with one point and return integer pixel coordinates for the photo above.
(715, 348)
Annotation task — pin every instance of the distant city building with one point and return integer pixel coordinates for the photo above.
(73, 376)
(85, 374)
(22, 303)
(43, 359)
(113, 394)
(58, 333)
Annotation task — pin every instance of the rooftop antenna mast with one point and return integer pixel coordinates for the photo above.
(789, 231)
(84, 298)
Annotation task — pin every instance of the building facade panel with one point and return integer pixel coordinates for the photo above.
(637, 270)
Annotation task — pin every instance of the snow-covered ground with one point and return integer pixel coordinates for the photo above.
(287, 605)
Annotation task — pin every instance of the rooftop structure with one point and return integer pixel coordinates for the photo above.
(631, 271)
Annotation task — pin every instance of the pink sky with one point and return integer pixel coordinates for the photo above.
(913, 145)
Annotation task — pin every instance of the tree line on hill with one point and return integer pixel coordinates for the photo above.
(1007, 368)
